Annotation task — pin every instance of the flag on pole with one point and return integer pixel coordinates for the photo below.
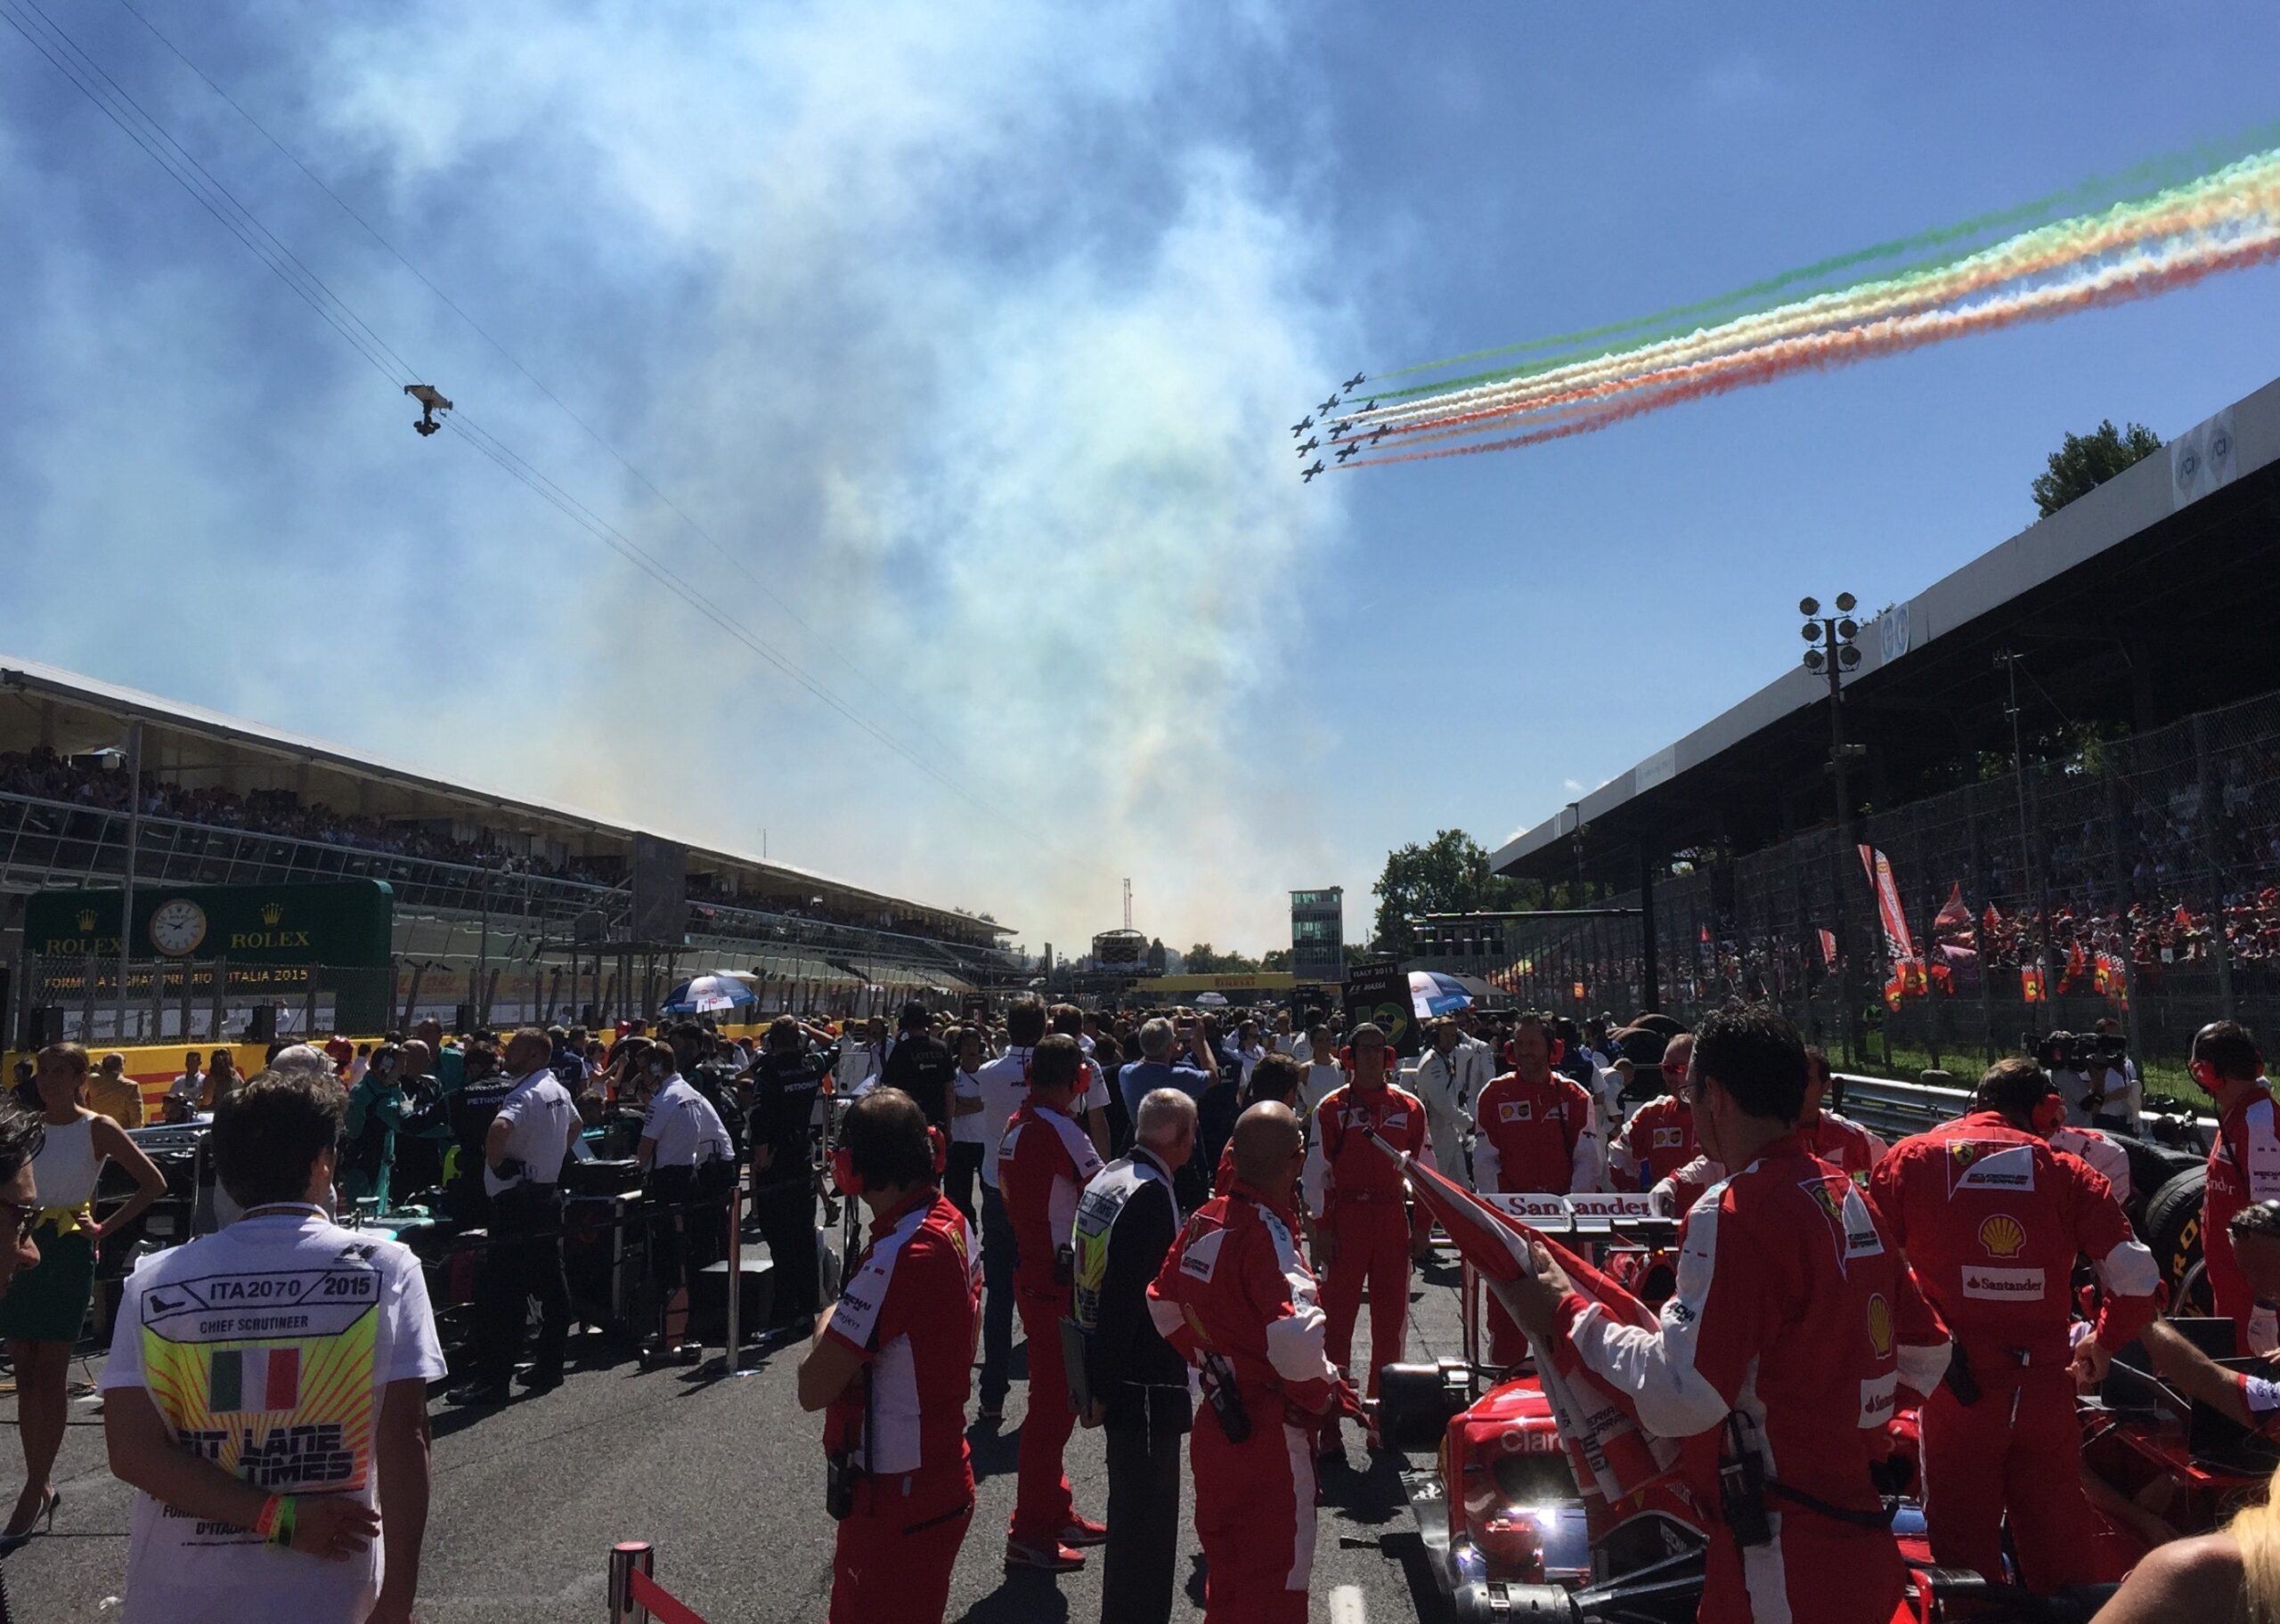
(1828, 948)
(1895, 917)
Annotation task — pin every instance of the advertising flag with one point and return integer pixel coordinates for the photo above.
(1897, 940)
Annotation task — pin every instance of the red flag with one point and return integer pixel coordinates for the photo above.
(1953, 914)
(1895, 989)
(1828, 948)
(1705, 929)
(1991, 921)
(2184, 919)
(2077, 966)
(2030, 983)
(1612, 1454)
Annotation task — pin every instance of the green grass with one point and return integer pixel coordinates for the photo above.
(1908, 1064)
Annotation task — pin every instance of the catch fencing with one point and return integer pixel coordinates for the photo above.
(213, 1001)
(2159, 853)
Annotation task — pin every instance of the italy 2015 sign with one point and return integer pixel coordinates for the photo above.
(344, 923)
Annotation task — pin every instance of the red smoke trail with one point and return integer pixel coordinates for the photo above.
(1823, 351)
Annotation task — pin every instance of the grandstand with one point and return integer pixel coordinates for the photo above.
(483, 883)
(2135, 863)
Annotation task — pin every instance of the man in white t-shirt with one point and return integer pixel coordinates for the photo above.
(292, 1414)
(523, 1152)
(1004, 1083)
(685, 1155)
(1324, 1075)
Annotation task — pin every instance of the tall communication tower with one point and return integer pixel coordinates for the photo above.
(1128, 905)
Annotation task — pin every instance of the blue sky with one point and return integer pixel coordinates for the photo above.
(974, 331)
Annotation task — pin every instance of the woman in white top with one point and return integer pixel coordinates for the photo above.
(46, 1308)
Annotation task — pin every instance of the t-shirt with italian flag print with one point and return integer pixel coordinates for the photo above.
(266, 1347)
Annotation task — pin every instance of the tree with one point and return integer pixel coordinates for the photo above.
(1275, 959)
(1201, 961)
(1449, 874)
(2087, 461)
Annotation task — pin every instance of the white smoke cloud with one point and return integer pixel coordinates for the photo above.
(975, 331)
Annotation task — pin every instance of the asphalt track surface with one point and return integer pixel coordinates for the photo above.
(725, 1476)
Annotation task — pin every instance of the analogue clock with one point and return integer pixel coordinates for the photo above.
(177, 925)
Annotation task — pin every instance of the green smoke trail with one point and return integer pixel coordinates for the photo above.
(1764, 294)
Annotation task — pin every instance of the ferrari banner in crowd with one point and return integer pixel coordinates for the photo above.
(1897, 939)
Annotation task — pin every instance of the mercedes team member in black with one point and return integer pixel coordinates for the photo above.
(921, 1064)
(787, 1083)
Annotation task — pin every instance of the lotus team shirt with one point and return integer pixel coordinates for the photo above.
(266, 1347)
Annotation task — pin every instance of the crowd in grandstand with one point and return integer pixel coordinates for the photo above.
(43, 775)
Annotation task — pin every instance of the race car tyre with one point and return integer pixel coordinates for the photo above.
(2151, 1167)
(1416, 1403)
(2173, 1234)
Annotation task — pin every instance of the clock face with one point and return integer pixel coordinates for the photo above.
(178, 926)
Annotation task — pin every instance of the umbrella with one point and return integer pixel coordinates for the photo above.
(1216, 1000)
(1433, 993)
(703, 994)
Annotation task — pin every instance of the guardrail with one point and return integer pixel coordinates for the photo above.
(1895, 1110)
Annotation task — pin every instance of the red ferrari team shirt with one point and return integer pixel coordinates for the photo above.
(1657, 1141)
(1793, 1313)
(1343, 1165)
(1044, 1162)
(1991, 1219)
(1535, 1138)
(1235, 1285)
(1842, 1143)
(2243, 1169)
(907, 1311)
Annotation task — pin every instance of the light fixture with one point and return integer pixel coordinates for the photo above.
(1848, 656)
(1846, 631)
(1811, 605)
(1815, 659)
(1845, 602)
(1811, 628)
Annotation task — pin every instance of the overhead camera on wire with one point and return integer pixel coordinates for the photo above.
(430, 404)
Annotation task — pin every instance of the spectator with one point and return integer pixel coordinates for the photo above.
(42, 1315)
(1005, 1085)
(222, 1079)
(346, 1527)
(187, 1092)
(115, 1094)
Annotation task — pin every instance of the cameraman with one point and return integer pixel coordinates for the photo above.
(892, 1365)
(2094, 1073)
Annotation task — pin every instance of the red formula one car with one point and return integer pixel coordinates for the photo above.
(1509, 1534)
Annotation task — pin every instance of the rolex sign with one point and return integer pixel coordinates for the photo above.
(346, 922)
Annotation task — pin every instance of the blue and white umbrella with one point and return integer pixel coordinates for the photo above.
(705, 995)
(1433, 993)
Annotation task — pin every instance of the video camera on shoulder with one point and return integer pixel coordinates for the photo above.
(2078, 1051)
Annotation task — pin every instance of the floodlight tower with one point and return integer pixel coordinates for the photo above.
(1831, 652)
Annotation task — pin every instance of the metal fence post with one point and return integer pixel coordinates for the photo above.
(626, 1558)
